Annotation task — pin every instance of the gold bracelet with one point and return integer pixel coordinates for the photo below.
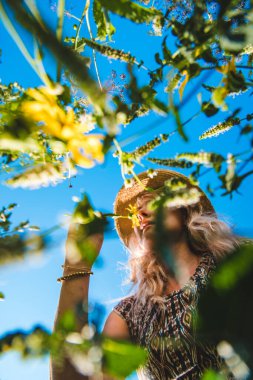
(73, 275)
(70, 267)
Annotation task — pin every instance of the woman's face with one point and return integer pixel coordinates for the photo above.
(144, 235)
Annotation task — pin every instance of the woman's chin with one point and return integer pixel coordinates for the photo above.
(148, 241)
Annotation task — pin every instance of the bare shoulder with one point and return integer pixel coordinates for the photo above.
(116, 325)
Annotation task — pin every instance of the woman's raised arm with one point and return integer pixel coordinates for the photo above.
(72, 293)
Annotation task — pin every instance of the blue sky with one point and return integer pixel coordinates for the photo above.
(30, 287)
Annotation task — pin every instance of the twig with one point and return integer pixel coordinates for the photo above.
(15, 36)
(91, 37)
(59, 32)
(86, 7)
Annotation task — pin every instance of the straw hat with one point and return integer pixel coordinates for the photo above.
(128, 195)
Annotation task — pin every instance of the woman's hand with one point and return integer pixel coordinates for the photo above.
(82, 249)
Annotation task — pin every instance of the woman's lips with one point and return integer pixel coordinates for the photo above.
(147, 225)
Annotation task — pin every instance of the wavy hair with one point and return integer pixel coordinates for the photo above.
(204, 232)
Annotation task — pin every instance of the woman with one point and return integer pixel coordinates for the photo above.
(158, 316)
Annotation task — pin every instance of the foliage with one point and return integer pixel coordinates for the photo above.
(47, 132)
(228, 293)
(187, 62)
(89, 351)
(16, 241)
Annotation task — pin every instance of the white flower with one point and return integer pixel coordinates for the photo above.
(75, 199)
(129, 182)
(151, 173)
(74, 338)
(87, 121)
(88, 331)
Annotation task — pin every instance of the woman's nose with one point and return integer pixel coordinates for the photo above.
(144, 216)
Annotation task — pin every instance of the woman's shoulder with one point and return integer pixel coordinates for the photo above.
(124, 306)
(127, 300)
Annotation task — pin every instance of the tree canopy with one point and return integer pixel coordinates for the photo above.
(74, 120)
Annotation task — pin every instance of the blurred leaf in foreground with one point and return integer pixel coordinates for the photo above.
(225, 308)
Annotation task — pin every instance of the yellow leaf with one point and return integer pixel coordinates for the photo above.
(183, 84)
(230, 66)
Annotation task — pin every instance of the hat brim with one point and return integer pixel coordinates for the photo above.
(129, 195)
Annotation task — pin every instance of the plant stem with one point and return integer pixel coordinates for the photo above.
(217, 67)
(91, 37)
(34, 10)
(59, 32)
(15, 36)
(120, 154)
(244, 164)
(39, 64)
(86, 7)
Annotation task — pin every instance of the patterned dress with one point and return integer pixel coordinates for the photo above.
(173, 353)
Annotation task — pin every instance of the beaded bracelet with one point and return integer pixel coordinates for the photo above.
(70, 267)
(73, 275)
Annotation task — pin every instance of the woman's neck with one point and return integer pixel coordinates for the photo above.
(185, 263)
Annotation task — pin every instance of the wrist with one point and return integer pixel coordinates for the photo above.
(73, 270)
(77, 265)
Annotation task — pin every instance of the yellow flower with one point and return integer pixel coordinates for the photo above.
(133, 215)
(44, 108)
(86, 149)
(61, 123)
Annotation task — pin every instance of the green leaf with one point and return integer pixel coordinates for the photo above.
(32, 344)
(193, 70)
(166, 52)
(208, 159)
(131, 10)
(107, 50)
(11, 206)
(159, 107)
(246, 129)
(207, 55)
(33, 228)
(41, 175)
(122, 357)
(234, 269)
(210, 374)
(175, 112)
(231, 181)
(209, 109)
(236, 82)
(173, 80)
(2, 297)
(158, 59)
(224, 309)
(67, 321)
(148, 147)
(208, 88)
(101, 18)
(221, 127)
(84, 212)
(63, 54)
(171, 162)
(219, 95)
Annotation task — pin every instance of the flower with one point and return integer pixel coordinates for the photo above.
(133, 215)
(87, 121)
(44, 107)
(86, 149)
(151, 173)
(129, 182)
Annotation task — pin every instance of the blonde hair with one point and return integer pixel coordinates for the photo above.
(205, 232)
